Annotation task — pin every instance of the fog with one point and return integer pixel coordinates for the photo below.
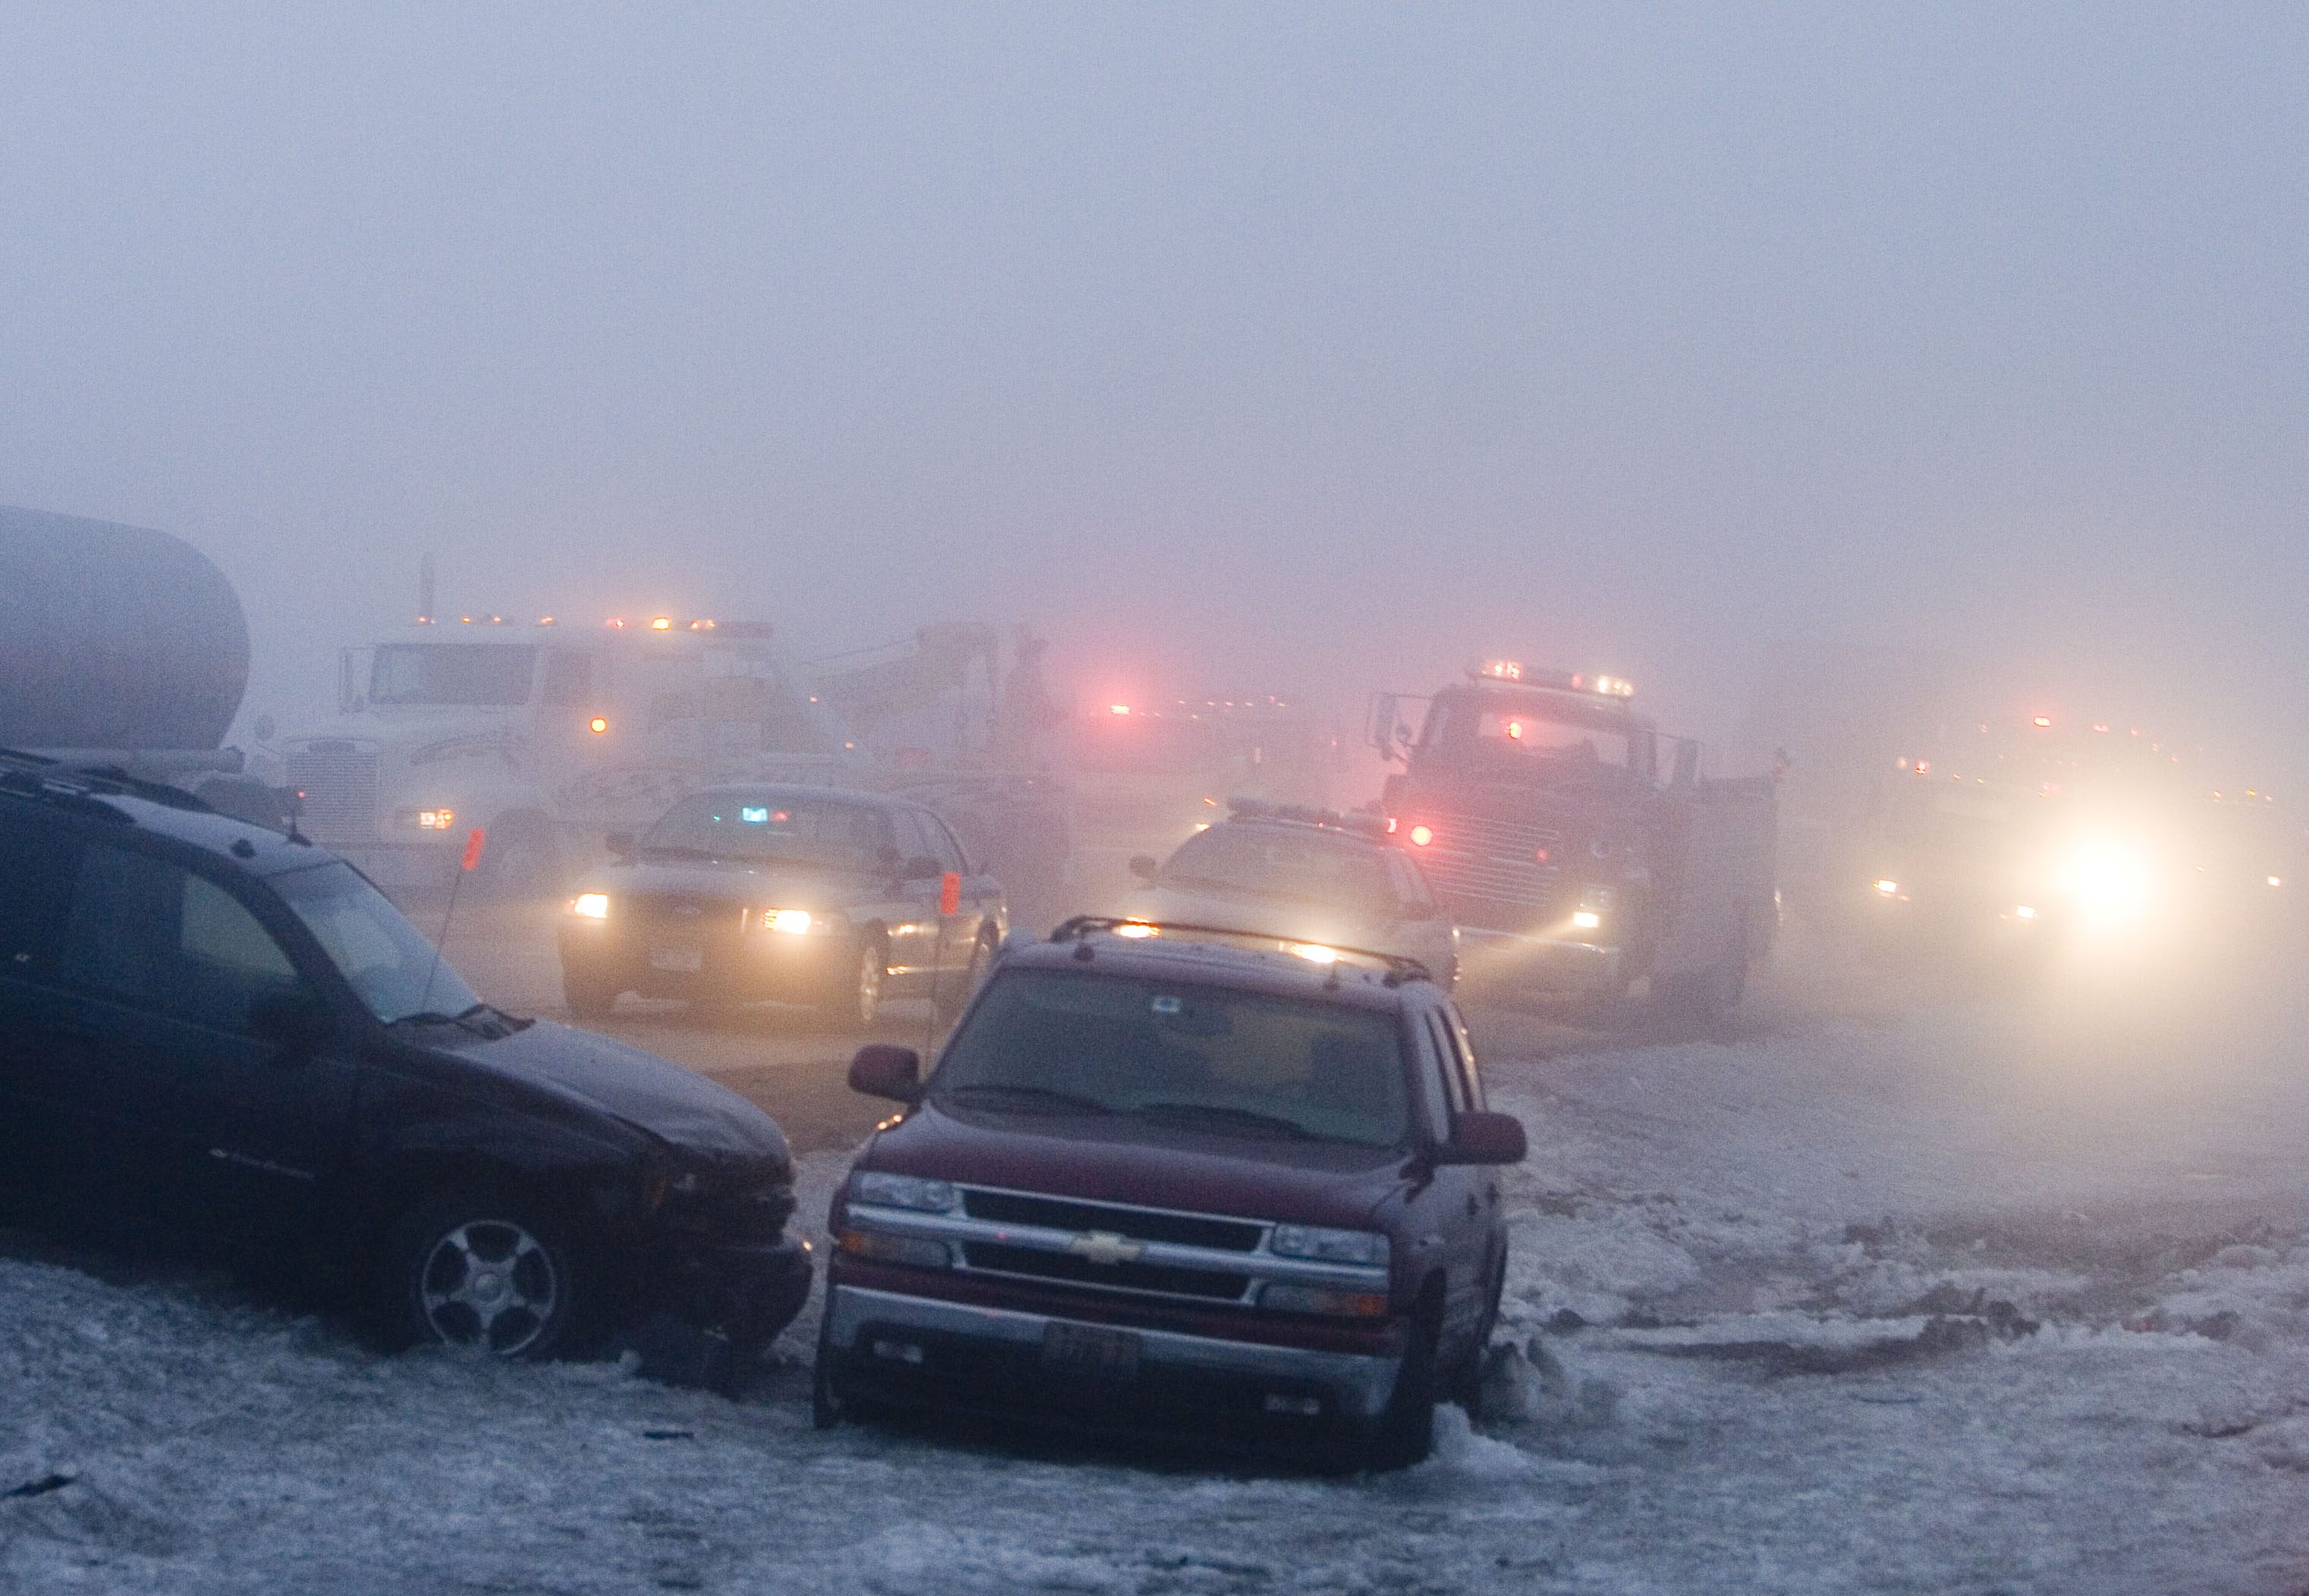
(1289, 348)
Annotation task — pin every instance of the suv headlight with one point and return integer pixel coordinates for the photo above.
(591, 906)
(1331, 1247)
(904, 1191)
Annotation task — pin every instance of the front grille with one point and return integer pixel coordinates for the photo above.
(335, 784)
(1172, 1280)
(1486, 865)
(685, 913)
(1140, 1224)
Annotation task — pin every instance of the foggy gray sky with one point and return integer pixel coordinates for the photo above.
(1261, 345)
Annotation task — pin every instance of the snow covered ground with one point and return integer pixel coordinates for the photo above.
(1873, 1295)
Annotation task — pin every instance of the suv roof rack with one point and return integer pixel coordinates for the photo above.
(42, 776)
(1399, 967)
(1256, 808)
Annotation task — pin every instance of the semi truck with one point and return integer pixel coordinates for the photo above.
(1581, 851)
(124, 649)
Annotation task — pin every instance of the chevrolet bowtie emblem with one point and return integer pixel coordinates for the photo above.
(1104, 1246)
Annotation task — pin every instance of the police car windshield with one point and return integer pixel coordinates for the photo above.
(1236, 1063)
(1283, 861)
(460, 674)
(381, 955)
(762, 828)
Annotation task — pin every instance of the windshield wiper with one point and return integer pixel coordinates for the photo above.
(1063, 1101)
(490, 1011)
(1249, 1119)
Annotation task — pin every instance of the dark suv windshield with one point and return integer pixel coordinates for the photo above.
(1178, 1052)
(386, 960)
(1284, 862)
(766, 828)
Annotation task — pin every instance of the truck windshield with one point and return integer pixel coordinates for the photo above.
(1238, 1063)
(452, 673)
(1503, 733)
(766, 828)
(385, 959)
(1283, 862)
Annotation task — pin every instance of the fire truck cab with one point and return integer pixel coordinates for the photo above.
(1536, 805)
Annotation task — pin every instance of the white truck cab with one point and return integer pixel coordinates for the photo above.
(547, 737)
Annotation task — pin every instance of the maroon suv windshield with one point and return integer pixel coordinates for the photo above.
(1235, 1063)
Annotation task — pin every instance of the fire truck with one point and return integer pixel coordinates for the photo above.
(1581, 851)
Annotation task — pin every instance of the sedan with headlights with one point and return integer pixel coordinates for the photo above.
(794, 894)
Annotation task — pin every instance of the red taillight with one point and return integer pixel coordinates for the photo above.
(1421, 836)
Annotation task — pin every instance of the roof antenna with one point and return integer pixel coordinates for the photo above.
(465, 868)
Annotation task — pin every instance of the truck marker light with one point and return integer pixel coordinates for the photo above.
(1887, 887)
(1515, 730)
(661, 622)
(1118, 709)
(1391, 823)
(1421, 836)
(701, 625)
(2277, 881)
(615, 624)
(591, 906)
(1539, 856)
(2042, 722)
(598, 723)
(435, 820)
(2025, 913)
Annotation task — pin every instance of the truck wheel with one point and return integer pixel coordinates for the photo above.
(856, 998)
(474, 1269)
(590, 997)
(1406, 1430)
(520, 859)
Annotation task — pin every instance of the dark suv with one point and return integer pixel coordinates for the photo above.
(1157, 1181)
(211, 1029)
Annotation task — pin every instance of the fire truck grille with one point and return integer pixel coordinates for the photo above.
(336, 784)
(1481, 866)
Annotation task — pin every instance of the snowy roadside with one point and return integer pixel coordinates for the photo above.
(1800, 1319)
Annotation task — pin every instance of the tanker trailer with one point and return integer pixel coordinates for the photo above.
(123, 647)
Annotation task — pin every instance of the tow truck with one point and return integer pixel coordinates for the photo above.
(1535, 805)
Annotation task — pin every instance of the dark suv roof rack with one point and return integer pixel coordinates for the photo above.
(38, 776)
(1399, 967)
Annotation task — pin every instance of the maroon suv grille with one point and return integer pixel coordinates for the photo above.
(1218, 1285)
(1140, 1224)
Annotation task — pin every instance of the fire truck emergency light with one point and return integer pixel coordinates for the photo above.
(598, 723)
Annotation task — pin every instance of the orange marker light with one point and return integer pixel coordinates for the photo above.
(661, 622)
(2042, 721)
(598, 723)
(1421, 836)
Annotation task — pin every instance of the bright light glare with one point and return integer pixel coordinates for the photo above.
(591, 906)
(1888, 888)
(2108, 882)
(2277, 881)
(1136, 929)
(1314, 953)
(1118, 709)
(794, 922)
(1587, 919)
(1421, 836)
(598, 723)
(661, 622)
(2025, 913)
(437, 820)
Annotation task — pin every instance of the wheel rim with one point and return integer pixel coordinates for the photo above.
(488, 1283)
(871, 966)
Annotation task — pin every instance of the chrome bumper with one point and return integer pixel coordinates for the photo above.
(1359, 1384)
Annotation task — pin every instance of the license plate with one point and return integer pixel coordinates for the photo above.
(692, 959)
(1081, 1350)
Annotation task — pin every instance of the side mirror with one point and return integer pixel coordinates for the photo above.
(881, 1070)
(297, 1021)
(1482, 1137)
(1142, 866)
(620, 844)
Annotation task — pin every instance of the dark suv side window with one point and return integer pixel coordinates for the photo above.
(151, 932)
(37, 865)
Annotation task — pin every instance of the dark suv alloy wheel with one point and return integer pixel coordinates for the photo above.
(476, 1270)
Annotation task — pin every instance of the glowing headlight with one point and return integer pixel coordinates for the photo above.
(591, 906)
(904, 1191)
(2108, 883)
(794, 922)
(1136, 929)
(1888, 888)
(1314, 953)
(1331, 1247)
(1585, 920)
(2277, 881)
(2027, 911)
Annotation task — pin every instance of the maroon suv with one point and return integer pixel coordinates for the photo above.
(1155, 1182)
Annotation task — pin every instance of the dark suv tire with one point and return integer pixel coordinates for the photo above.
(479, 1269)
(1405, 1433)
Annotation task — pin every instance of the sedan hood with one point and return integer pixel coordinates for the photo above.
(790, 886)
(1258, 914)
(661, 1098)
(1143, 1163)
